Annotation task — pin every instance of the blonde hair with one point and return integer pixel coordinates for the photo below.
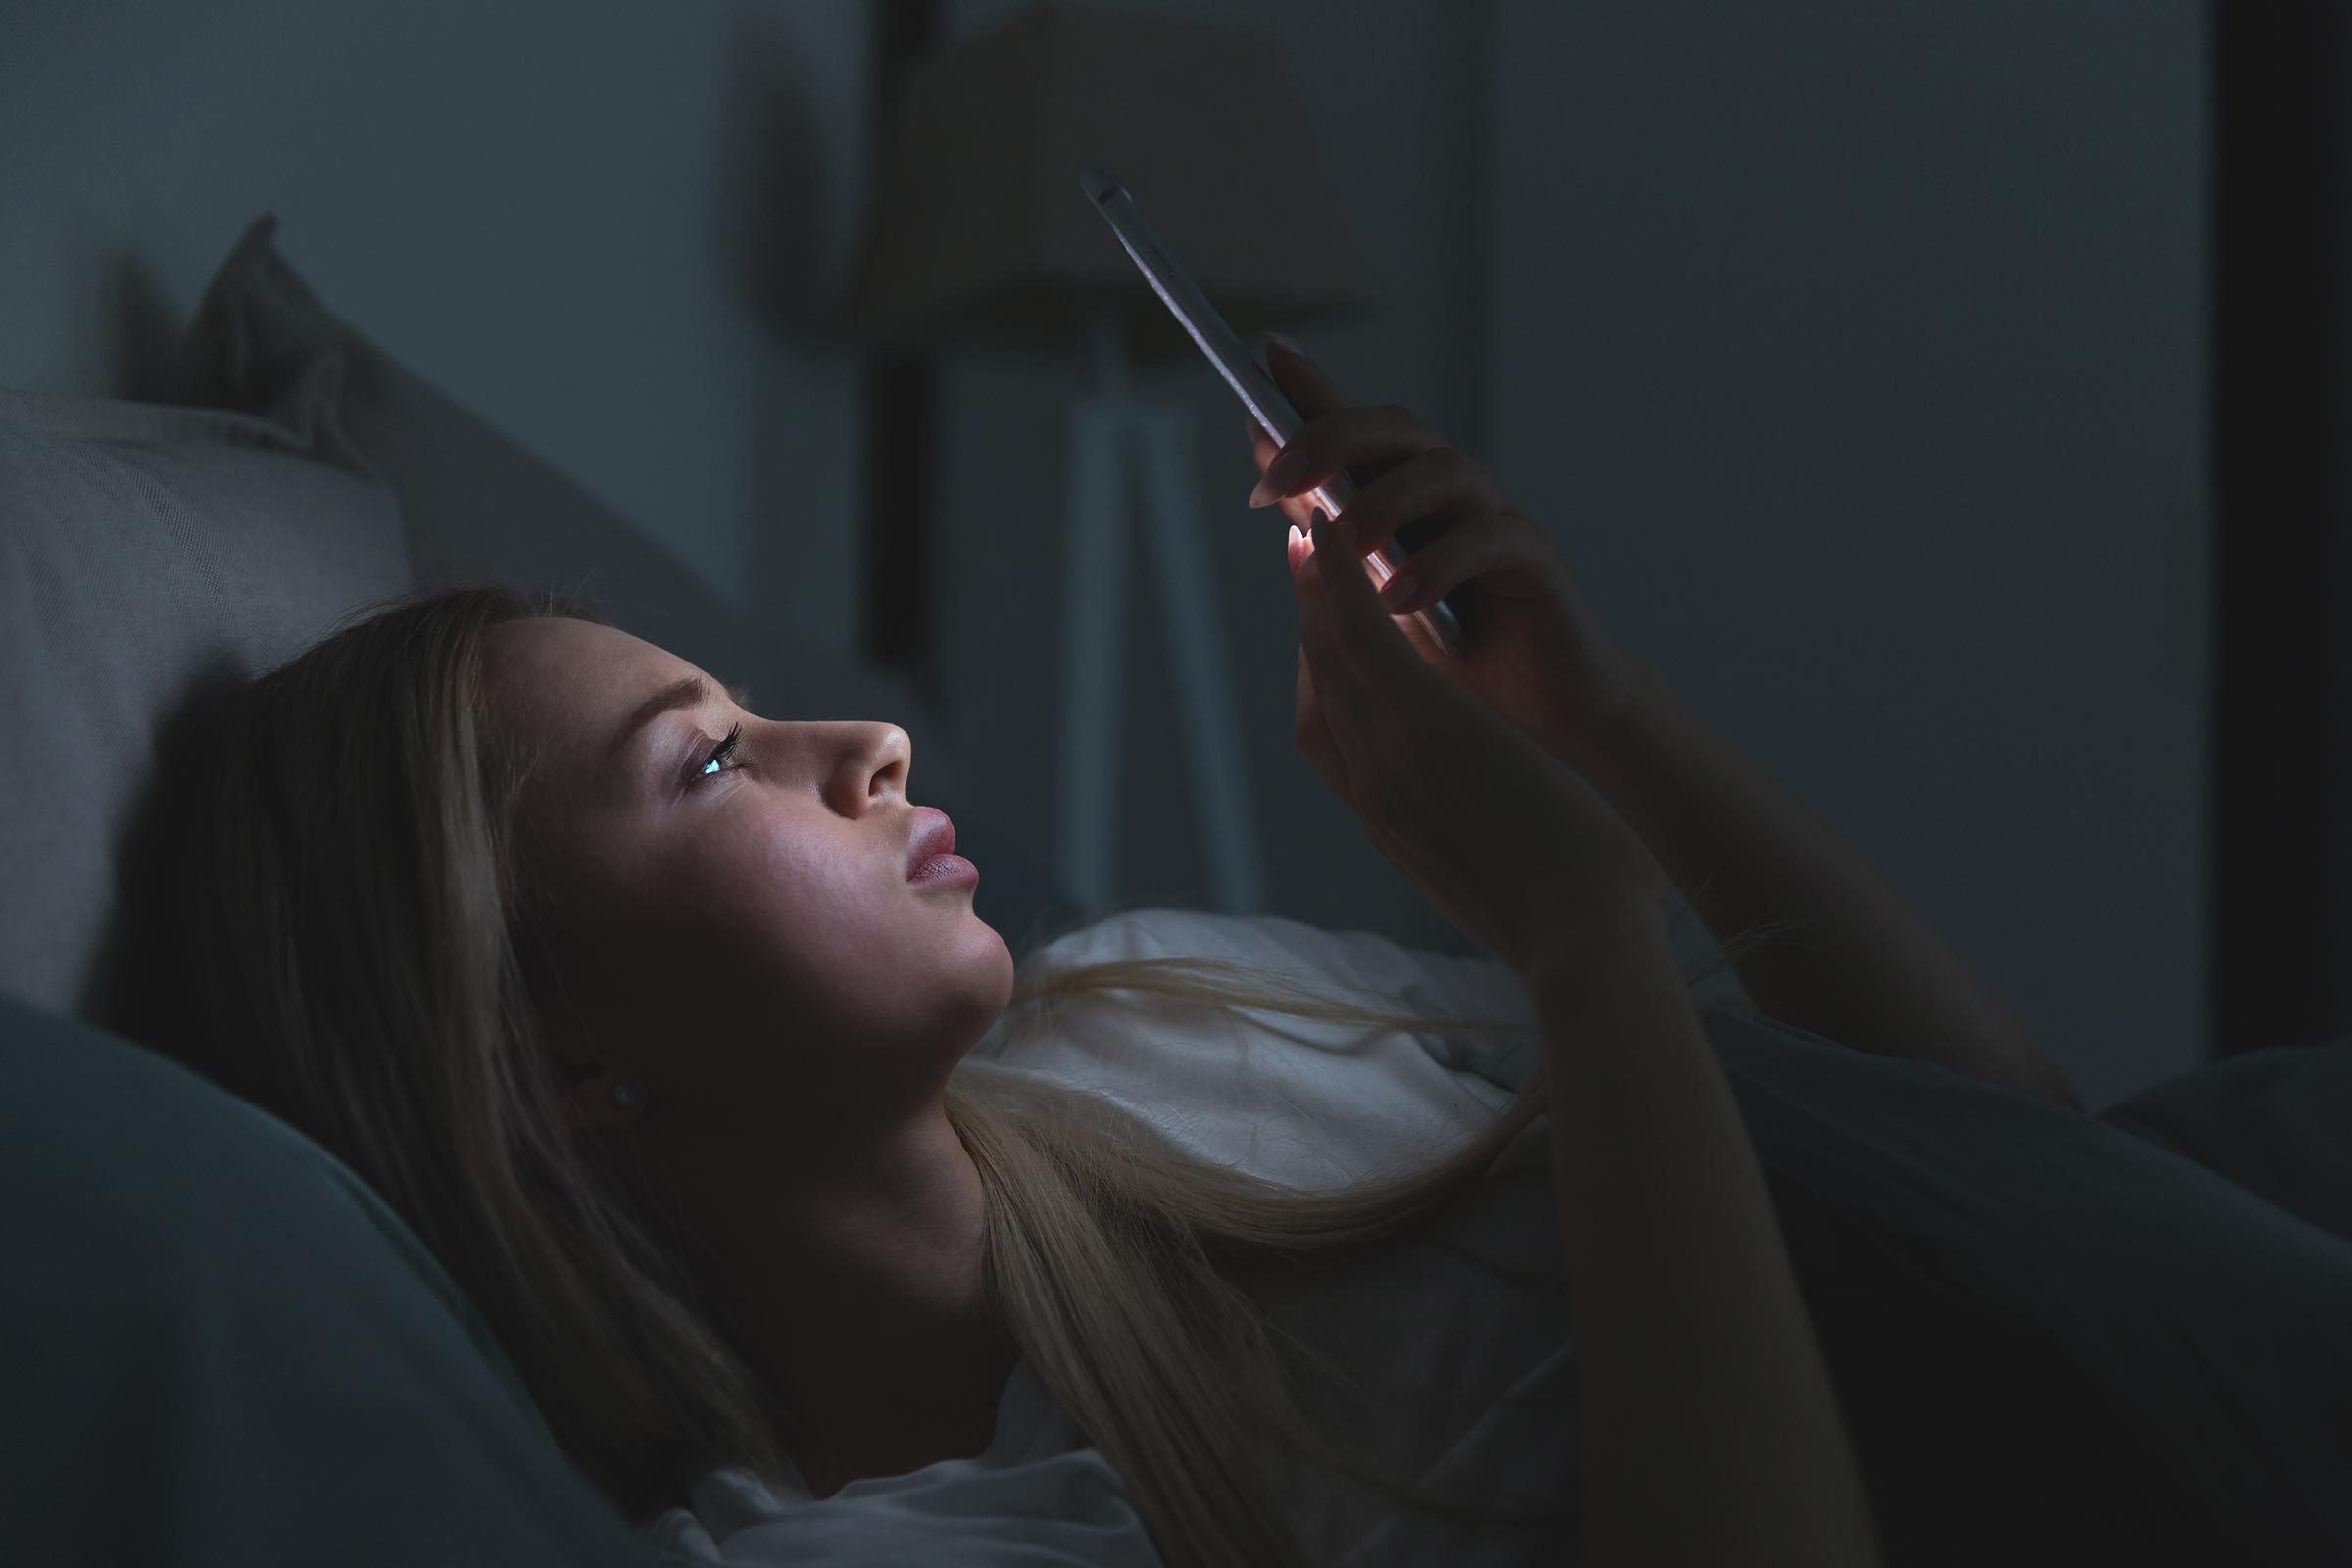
(399, 1029)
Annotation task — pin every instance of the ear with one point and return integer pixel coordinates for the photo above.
(589, 1102)
(587, 1080)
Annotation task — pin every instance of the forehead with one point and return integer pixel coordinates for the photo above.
(571, 683)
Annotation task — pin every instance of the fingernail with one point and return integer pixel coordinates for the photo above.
(1398, 589)
(1291, 346)
(1276, 481)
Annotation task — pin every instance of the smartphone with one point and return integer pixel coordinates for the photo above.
(1252, 382)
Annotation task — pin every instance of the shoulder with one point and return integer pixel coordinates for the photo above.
(1364, 960)
(1303, 1101)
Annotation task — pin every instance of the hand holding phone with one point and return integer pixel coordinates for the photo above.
(1524, 639)
(1537, 654)
(1269, 409)
(1515, 849)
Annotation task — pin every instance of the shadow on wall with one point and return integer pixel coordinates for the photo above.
(137, 985)
(126, 323)
(771, 183)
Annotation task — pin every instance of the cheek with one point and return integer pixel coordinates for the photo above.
(769, 920)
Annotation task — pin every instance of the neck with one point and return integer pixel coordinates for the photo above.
(858, 1299)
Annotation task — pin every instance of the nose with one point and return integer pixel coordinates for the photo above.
(875, 764)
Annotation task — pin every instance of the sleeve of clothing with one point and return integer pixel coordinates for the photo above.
(1038, 1496)
(2054, 1341)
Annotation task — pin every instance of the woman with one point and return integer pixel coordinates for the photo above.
(622, 996)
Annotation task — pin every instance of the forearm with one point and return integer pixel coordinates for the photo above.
(1711, 1434)
(1860, 966)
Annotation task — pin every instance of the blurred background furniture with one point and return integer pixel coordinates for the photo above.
(977, 241)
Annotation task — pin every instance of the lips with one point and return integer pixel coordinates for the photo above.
(934, 835)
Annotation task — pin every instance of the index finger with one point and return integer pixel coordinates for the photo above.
(1368, 439)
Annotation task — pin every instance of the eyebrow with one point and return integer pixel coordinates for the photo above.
(692, 692)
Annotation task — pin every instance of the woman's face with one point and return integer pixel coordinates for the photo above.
(735, 932)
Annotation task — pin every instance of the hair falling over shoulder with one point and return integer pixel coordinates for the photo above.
(402, 1031)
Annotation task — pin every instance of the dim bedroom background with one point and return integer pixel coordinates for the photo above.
(533, 335)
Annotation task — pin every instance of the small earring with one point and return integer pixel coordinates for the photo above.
(625, 1094)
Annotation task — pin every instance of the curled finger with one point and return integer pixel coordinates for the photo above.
(1499, 550)
(1366, 441)
(1439, 483)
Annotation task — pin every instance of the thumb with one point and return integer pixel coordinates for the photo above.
(1347, 618)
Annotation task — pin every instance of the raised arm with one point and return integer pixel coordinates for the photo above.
(1861, 967)
(1712, 1434)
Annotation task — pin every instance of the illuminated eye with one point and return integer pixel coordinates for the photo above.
(717, 761)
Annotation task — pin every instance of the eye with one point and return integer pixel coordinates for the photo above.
(717, 761)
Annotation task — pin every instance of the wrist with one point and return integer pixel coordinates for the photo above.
(1597, 936)
(1606, 728)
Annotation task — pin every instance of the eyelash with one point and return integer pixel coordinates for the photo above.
(719, 755)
